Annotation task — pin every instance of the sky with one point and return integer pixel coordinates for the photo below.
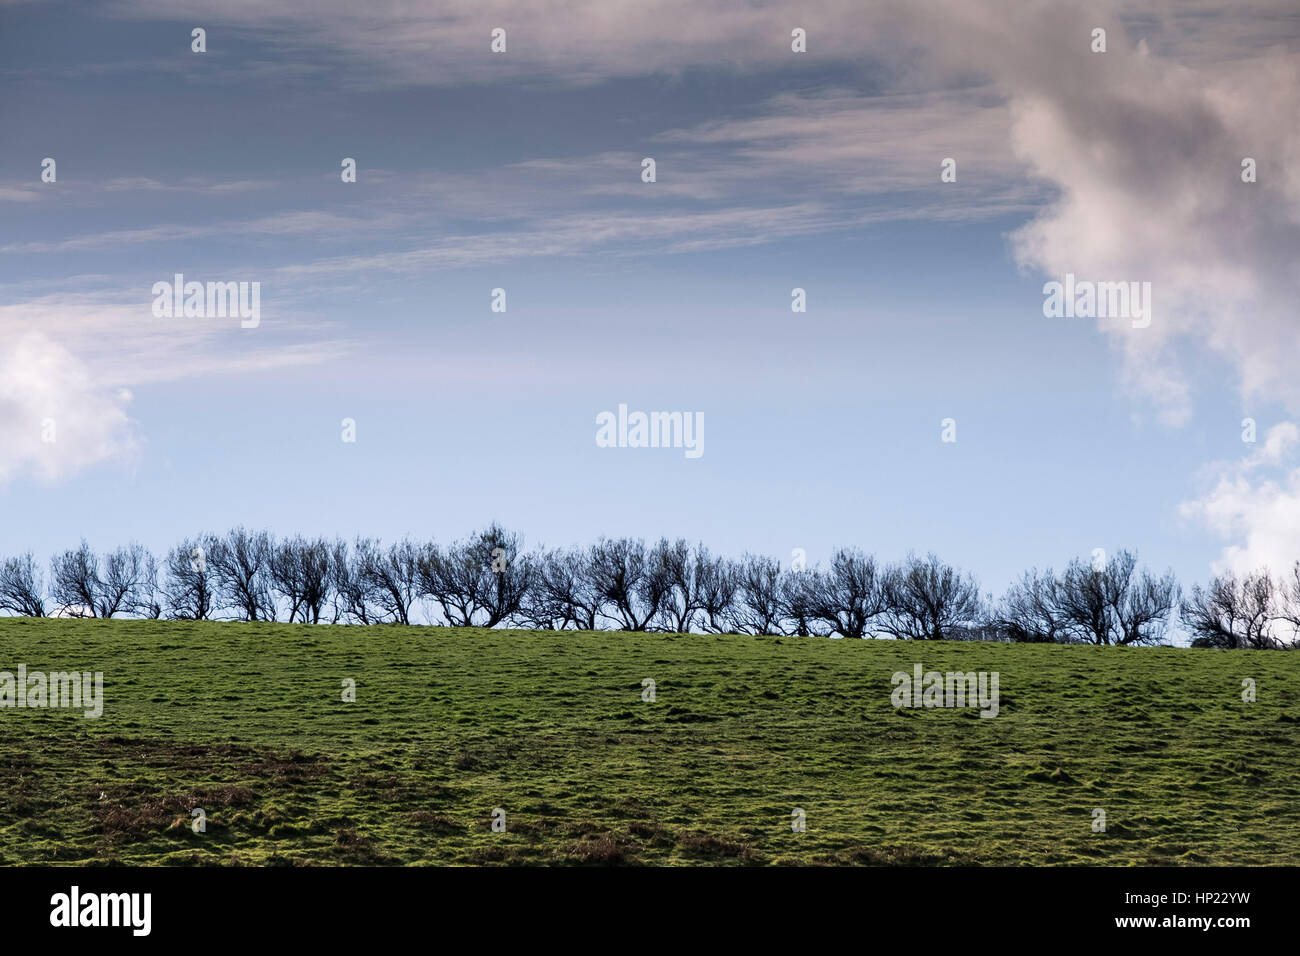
(522, 170)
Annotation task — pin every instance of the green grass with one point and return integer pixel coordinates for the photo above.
(248, 722)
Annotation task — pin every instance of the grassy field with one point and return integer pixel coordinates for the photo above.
(248, 722)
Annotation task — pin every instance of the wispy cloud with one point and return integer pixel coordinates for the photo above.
(92, 190)
(302, 223)
(129, 346)
(19, 194)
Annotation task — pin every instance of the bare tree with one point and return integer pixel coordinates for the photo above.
(133, 572)
(542, 610)
(1029, 611)
(74, 582)
(563, 594)
(354, 597)
(1232, 612)
(850, 596)
(124, 582)
(1144, 610)
(1289, 609)
(799, 602)
(300, 573)
(21, 589)
(716, 590)
(630, 579)
(1083, 596)
(189, 590)
(512, 573)
(128, 583)
(759, 607)
(927, 600)
(391, 577)
(317, 581)
(1114, 603)
(696, 585)
(240, 564)
(284, 574)
(479, 582)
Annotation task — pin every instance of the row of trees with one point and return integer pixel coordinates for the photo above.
(489, 579)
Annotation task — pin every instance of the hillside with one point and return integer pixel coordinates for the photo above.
(248, 722)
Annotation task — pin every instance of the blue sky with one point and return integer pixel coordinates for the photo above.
(775, 170)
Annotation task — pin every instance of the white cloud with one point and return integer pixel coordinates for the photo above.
(73, 358)
(1146, 151)
(55, 418)
(1140, 146)
(1256, 504)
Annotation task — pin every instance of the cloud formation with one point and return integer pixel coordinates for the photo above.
(1255, 503)
(72, 358)
(1126, 165)
(55, 419)
(1133, 155)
